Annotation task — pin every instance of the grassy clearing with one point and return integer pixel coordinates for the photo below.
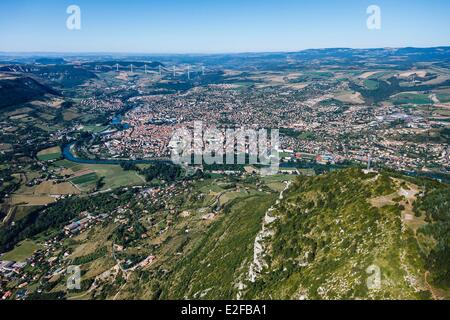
(85, 179)
(315, 76)
(371, 84)
(211, 188)
(113, 175)
(442, 112)
(277, 178)
(350, 97)
(95, 128)
(22, 251)
(229, 196)
(65, 163)
(53, 153)
(443, 97)
(411, 98)
(70, 115)
(42, 194)
(46, 116)
(276, 186)
(22, 212)
(49, 157)
(51, 150)
(31, 200)
(49, 187)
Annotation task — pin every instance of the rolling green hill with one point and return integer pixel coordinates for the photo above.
(344, 235)
(333, 231)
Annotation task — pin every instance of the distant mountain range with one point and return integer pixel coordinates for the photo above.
(414, 54)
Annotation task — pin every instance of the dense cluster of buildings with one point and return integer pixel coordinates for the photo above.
(317, 124)
(96, 104)
(87, 220)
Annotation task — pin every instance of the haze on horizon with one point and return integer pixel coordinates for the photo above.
(201, 26)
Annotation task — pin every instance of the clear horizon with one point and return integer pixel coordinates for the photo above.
(204, 53)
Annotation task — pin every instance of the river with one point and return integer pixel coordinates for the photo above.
(116, 120)
(67, 154)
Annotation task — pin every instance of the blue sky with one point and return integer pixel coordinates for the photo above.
(215, 26)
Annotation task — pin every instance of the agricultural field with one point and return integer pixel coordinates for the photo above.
(443, 97)
(315, 76)
(22, 251)
(22, 211)
(371, 84)
(49, 154)
(31, 200)
(278, 182)
(43, 193)
(50, 187)
(70, 115)
(229, 196)
(94, 128)
(411, 98)
(46, 116)
(85, 176)
(5, 147)
(85, 179)
(349, 97)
